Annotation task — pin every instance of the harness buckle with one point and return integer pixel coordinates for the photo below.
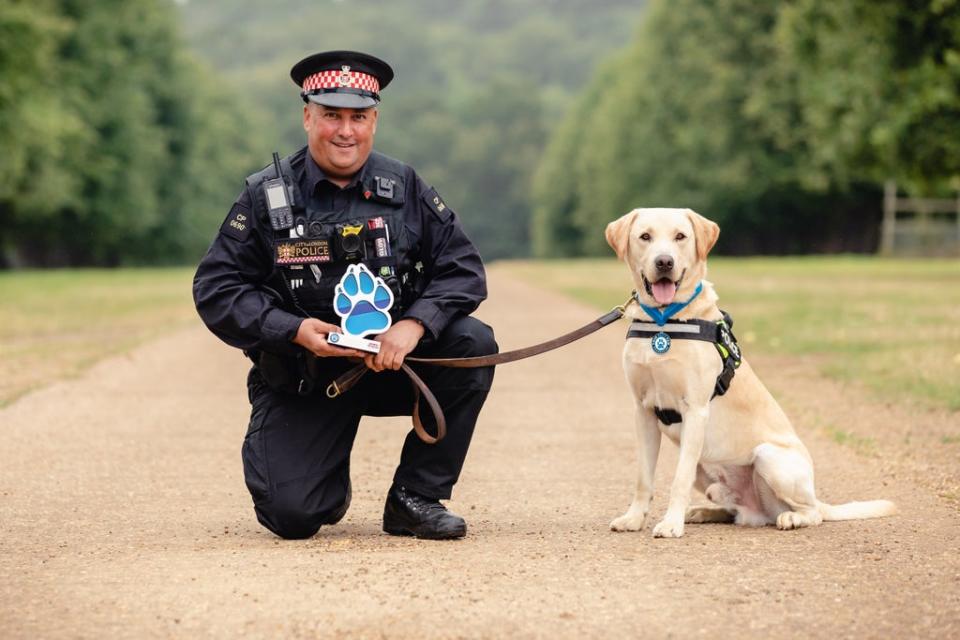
(723, 381)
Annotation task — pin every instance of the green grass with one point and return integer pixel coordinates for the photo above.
(860, 444)
(54, 324)
(891, 324)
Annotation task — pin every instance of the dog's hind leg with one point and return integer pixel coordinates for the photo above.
(743, 505)
(648, 448)
(789, 475)
(703, 514)
(723, 509)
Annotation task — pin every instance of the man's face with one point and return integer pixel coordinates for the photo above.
(340, 140)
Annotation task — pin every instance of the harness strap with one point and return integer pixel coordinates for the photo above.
(667, 416)
(716, 332)
(677, 330)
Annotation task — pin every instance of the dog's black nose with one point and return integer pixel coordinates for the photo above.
(664, 263)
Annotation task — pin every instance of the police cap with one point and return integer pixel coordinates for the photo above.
(342, 79)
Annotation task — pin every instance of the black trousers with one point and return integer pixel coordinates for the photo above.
(296, 454)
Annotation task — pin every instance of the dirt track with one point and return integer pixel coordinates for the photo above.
(123, 514)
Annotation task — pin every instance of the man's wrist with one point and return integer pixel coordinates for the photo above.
(417, 317)
(296, 337)
(415, 322)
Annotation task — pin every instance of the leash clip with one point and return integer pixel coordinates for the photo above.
(622, 308)
(333, 390)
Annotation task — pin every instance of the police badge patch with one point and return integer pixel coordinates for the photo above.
(302, 252)
(237, 223)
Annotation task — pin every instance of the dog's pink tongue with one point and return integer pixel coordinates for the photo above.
(663, 291)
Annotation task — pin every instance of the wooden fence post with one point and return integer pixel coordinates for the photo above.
(890, 217)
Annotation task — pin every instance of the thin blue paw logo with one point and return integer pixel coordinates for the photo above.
(362, 301)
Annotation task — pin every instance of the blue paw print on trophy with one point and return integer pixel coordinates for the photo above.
(362, 300)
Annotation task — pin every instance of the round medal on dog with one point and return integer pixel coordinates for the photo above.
(736, 444)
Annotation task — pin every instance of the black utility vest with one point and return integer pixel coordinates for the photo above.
(310, 259)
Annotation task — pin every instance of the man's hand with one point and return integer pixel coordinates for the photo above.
(312, 336)
(395, 343)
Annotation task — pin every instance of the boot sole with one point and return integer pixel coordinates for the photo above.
(396, 531)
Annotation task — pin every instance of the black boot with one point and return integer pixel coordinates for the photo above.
(410, 514)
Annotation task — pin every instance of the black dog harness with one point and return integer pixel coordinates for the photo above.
(716, 332)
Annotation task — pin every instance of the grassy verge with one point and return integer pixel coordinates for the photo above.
(893, 325)
(54, 324)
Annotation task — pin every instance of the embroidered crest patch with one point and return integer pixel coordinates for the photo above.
(237, 223)
(303, 252)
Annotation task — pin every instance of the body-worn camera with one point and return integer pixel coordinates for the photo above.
(348, 241)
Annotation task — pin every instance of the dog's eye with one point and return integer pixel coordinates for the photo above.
(645, 237)
(680, 236)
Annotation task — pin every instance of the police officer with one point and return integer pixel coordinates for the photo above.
(266, 286)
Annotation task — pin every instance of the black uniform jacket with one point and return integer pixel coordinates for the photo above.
(235, 287)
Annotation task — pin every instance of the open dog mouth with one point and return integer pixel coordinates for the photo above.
(663, 290)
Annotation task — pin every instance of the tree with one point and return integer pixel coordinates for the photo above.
(33, 179)
(777, 120)
(108, 124)
(878, 83)
(667, 123)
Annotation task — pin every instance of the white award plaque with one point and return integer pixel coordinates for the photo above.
(363, 301)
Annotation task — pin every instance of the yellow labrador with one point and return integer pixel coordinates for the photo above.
(738, 448)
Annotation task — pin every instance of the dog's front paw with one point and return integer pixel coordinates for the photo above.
(668, 529)
(630, 521)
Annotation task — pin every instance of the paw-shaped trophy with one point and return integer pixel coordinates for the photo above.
(363, 303)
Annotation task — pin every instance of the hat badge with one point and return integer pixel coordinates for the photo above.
(344, 75)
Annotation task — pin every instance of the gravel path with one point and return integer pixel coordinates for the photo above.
(123, 514)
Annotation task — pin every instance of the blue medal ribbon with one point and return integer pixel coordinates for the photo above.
(672, 309)
(661, 342)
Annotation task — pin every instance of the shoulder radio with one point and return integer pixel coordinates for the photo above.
(277, 194)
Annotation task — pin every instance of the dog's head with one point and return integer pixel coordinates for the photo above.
(666, 250)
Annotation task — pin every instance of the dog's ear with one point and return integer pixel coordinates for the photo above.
(618, 233)
(705, 232)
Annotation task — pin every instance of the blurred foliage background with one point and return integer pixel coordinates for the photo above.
(779, 120)
(126, 127)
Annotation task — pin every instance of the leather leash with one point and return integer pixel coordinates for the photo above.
(353, 376)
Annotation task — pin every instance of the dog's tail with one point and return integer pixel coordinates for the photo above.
(856, 510)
